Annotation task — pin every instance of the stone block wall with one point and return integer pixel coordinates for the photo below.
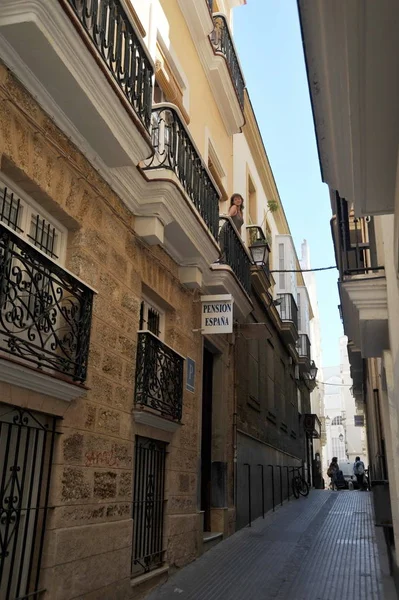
(89, 531)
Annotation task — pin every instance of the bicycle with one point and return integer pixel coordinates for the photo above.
(300, 487)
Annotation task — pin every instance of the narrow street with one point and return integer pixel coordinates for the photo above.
(318, 548)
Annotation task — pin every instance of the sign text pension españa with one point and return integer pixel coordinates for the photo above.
(217, 314)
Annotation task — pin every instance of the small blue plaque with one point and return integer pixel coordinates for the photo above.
(190, 377)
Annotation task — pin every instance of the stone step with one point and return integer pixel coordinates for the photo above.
(211, 539)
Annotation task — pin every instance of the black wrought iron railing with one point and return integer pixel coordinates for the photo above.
(27, 446)
(303, 346)
(148, 505)
(159, 376)
(222, 42)
(121, 49)
(234, 253)
(175, 150)
(354, 239)
(45, 312)
(287, 308)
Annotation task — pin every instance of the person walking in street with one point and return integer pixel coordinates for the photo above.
(332, 471)
(358, 470)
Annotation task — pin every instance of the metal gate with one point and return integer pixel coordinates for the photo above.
(148, 505)
(26, 451)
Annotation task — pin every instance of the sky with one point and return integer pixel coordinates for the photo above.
(268, 40)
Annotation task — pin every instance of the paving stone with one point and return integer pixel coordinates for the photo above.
(318, 548)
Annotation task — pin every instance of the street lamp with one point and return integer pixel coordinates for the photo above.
(259, 247)
(313, 370)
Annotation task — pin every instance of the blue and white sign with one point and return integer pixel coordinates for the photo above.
(190, 375)
(217, 314)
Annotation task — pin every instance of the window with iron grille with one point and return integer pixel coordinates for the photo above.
(22, 214)
(151, 319)
(148, 505)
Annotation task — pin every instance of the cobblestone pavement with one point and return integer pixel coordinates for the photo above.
(318, 548)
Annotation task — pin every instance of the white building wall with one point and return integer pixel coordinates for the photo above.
(356, 444)
(244, 165)
(317, 396)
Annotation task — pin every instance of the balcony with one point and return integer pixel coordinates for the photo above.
(88, 67)
(362, 283)
(303, 349)
(175, 151)
(234, 253)
(159, 383)
(231, 273)
(288, 313)
(216, 49)
(45, 321)
(223, 44)
(118, 45)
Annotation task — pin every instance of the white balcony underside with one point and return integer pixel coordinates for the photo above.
(352, 54)
(31, 379)
(41, 46)
(365, 314)
(221, 280)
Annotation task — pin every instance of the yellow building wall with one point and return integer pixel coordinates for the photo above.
(203, 109)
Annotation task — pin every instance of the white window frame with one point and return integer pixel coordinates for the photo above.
(28, 211)
(150, 304)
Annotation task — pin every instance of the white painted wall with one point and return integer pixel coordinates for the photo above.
(243, 164)
(317, 396)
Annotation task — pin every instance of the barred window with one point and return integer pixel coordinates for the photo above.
(22, 214)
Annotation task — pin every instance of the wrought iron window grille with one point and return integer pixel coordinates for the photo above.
(153, 321)
(121, 49)
(148, 505)
(26, 456)
(159, 376)
(10, 206)
(223, 43)
(43, 236)
(175, 150)
(45, 312)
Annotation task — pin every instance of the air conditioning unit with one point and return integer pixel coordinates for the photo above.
(296, 375)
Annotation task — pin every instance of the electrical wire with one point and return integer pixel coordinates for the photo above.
(303, 270)
(336, 384)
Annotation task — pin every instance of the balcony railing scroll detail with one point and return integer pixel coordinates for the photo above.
(45, 312)
(222, 43)
(234, 253)
(121, 49)
(303, 346)
(159, 376)
(175, 150)
(288, 309)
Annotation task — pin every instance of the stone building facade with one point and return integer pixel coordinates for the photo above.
(118, 416)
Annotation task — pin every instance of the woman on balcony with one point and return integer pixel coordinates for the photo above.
(235, 211)
(226, 231)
